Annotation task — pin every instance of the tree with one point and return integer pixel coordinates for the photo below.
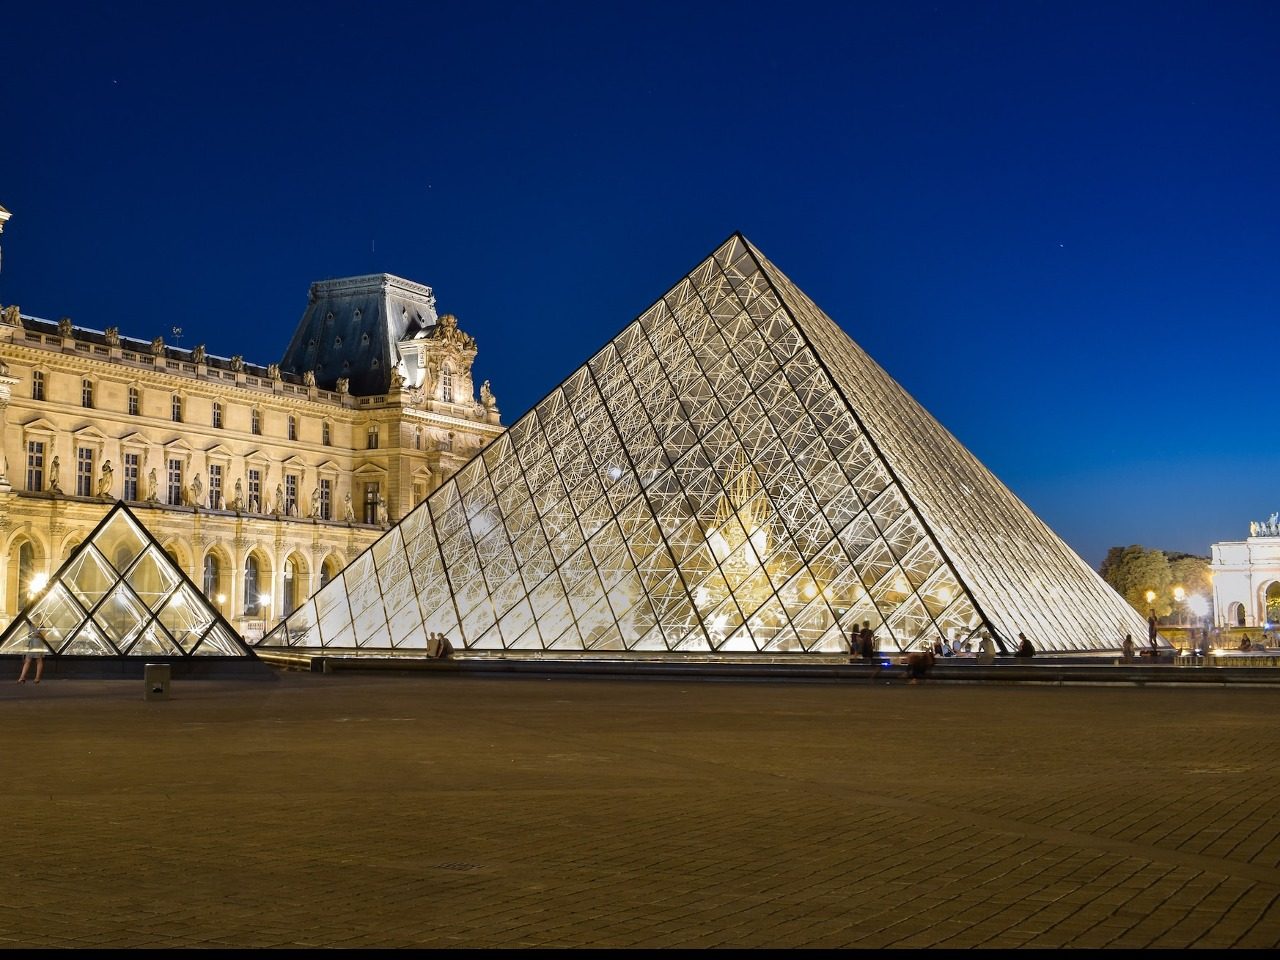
(1134, 570)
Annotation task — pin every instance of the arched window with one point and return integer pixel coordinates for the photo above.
(212, 576)
(327, 571)
(292, 581)
(252, 588)
(26, 570)
(446, 383)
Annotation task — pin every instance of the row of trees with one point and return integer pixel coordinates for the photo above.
(1133, 570)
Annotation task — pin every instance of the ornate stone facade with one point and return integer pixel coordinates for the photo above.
(260, 483)
(1246, 577)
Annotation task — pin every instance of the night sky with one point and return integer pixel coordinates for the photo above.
(1056, 224)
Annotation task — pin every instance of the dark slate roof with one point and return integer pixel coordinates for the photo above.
(351, 328)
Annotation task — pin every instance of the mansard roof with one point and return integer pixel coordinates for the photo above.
(351, 328)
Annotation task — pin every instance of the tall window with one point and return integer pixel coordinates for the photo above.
(252, 602)
(84, 471)
(35, 465)
(326, 572)
(86, 393)
(215, 486)
(255, 490)
(446, 383)
(255, 423)
(37, 384)
(175, 409)
(291, 581)
(417, 439)
(175, 481)
(371, 503)
(133, 401)
(26, 569)
(291, 494)
(212, 577)
(324, 434)
(326, 499)
(293, 427)
(217, 414)
(131, 476)
(373, 437)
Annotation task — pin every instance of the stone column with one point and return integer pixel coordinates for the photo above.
(6, 391)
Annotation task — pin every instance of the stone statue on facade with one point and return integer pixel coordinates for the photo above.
(157, 347)
(151, 487)
(197, 491)
(64, 327)
(1253, 528)
(397, 379)
(112, 336)
(273, 371)
(237, 363)
(12, 315)
(197, 355)
(344, 385)
(382, 510)
(486, 396)
(279, 504)
(54, 469)
(348, 509)
(237, 502)
(309, 378)
(315, 504)
(104, 481)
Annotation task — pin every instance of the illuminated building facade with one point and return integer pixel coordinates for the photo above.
(260, 481)
(1246, 578)
(730, 475)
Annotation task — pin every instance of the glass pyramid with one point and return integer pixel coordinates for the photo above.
(731, 474)
(120, 594)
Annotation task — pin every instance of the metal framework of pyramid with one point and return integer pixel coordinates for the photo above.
(731, 474)
(120, 595)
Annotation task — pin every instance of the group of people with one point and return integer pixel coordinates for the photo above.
(863, 645)
(438, 646)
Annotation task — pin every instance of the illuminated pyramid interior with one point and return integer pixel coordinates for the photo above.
(120, 594)
(731, 474)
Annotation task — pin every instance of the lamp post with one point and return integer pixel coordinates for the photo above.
(1180, 595)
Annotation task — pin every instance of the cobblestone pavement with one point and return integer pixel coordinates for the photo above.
(388, 810)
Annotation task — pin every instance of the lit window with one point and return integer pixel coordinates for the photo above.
(35, 465)
(373, 437)
(175, 481)
(446, 384)
(84, 472)
(131, 476)
(252, 600)
(326, 499)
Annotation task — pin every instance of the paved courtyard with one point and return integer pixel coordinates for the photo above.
(446, 810)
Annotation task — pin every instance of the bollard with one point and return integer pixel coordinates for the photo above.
(155, 681)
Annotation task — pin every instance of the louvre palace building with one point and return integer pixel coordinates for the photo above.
(260, 481)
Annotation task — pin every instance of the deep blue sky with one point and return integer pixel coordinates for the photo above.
(1057, 224)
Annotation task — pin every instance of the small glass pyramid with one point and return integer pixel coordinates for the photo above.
(120, 594)
(731, 474)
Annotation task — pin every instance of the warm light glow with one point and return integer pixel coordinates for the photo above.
(810, 591)
(945, 594)
(38, 582)
(1198, 604)
(222, 598)
(1151, 596)
(264, 599)
(1179, 594)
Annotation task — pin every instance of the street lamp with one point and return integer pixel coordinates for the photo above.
(1179, 595)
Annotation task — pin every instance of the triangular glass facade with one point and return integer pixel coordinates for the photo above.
(120, 594)
(731, 474)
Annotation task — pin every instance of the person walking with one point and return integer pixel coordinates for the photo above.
(36, 650)
(1025, 650)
